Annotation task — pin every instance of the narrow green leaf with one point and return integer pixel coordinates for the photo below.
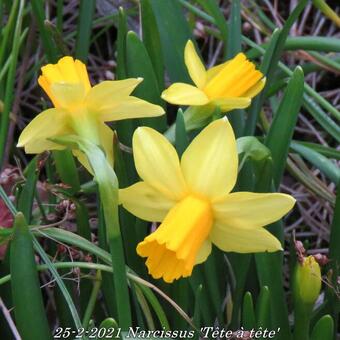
(152, 41)
(263, 308)
(240, 264)
(26, 198)
(234, 30)
(321, 117)
(156, 307)
(121, 44)
(315, 43)
(140, 65)
(211, 6)
(125, 128)
(10, 83)
(174, 33)
(85, 16)
(267, 67)
(31, 323)
(50, 49)
(274, 55)
(282, 128)
(233, 47)
(323, 150)
(248, 313)
(328, 168)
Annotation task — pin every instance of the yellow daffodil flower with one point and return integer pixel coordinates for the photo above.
(192, 199)
(81, 109)
(228, 86)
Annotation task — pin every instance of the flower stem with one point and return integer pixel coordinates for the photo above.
(93, 299)
(107, 182)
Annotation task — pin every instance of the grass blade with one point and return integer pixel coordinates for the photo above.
(282, 128)
(328, 168)
(10, 83)
(86, 11)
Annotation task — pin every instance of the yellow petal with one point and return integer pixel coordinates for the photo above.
(228, 104)
(82, 74)
(42, 81)
(210, 162)
(68, 78)
(252, 210)
(130, 107)
(68, 70)
(203, 252)
(49, 123)
(68, 95)
(157, 163)
(52, 74)
(234, 79)
(256, 89)
(194, 65)
(173, 248)
(244, 240)
(213, 71)
(145, 202)
(184, 94)
(110, 93)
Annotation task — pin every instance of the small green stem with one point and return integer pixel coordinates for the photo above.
(93, 299)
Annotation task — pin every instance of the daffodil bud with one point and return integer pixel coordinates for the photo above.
(307, 281)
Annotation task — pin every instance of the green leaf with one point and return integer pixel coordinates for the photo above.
(324, 329)
(10, 83)
(32, 323)
(26, 197)
(315, 43)
(328, 168)
(212, 7)
(323, 150)
(248, 313)
(174, 33)
(197, 307)
(273, 54)
(121, 44)
(282, 128)
(233, 47)
(263, 308)
(140, 65)
(152, 41)
(49, 47)
(267, 68)
(85, 16)
(251, 147)
(321, 117)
